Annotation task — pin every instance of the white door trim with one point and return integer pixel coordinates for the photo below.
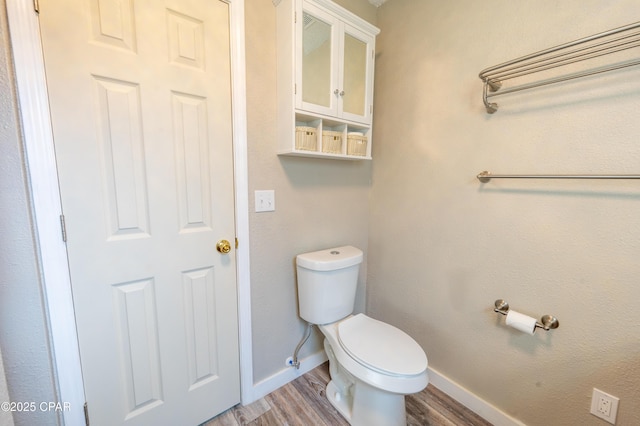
(44, 191)
(241, 176)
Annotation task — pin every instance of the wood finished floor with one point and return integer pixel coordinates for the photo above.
(303, 403)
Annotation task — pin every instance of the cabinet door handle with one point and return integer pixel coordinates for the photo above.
(342, 93)
(335, 92)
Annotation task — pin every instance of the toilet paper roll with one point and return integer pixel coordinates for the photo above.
(521, 322)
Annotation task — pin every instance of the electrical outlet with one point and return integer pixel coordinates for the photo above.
(604, 406)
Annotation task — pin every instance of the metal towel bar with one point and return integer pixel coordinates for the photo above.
(597, 45)
(485, 176)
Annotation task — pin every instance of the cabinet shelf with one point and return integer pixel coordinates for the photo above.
(348, 134)
(315, 154)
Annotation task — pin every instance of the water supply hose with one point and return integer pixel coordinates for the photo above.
(307, 333)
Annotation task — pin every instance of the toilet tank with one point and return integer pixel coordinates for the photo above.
(327, 281)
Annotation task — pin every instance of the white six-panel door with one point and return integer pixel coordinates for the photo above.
(140, 100)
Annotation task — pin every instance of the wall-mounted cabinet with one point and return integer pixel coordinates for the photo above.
(325, 80)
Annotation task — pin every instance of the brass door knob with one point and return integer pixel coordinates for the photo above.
(223, 246)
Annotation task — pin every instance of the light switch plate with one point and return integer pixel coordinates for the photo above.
(265, 200)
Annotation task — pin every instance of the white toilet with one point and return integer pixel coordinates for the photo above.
(373, 365)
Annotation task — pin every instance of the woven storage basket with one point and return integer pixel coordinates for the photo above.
(306, 138)
(356, 144)
(332, 142)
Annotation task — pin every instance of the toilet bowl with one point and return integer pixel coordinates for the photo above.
(373, 365)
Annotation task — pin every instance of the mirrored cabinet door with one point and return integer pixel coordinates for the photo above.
(317, 62)
(355, 93)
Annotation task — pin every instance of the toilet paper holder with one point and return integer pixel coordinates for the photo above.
(547, 322)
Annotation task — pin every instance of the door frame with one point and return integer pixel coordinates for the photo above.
(44, 191)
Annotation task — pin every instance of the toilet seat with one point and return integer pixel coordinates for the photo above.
(381, 347)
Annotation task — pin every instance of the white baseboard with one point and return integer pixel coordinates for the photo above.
(287, 374)
(482, 408)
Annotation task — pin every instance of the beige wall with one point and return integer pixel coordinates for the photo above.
(440, 246)
(443, 247)
(319, 203)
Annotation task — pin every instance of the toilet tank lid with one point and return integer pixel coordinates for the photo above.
(330, 259)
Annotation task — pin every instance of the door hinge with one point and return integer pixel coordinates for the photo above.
(63, 227)
(236, 243)
(295, 16)
(86, 414)
(36, 6)
(295, 89)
